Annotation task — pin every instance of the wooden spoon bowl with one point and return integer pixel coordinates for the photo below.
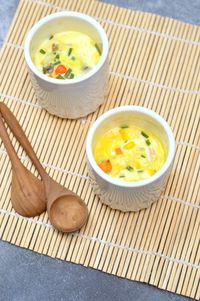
(27, 192)
(67, 213)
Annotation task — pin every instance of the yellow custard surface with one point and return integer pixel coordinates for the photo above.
(129, 153)
(66, 55)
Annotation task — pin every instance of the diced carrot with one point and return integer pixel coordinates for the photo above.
(106, 166)
(60, 69)
(118, 151)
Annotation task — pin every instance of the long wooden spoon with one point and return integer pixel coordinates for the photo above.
(66, 210)
(27, 192)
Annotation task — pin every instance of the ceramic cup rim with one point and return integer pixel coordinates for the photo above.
(66, 14)
(157, 118)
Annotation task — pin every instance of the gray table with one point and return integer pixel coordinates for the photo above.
(25, 275)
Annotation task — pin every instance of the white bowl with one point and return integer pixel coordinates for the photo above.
(129, 196)
(76, 97)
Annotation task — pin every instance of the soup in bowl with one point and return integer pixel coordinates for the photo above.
(67, 58)
(130, 151)
(67, 55)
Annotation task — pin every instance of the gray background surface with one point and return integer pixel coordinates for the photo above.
(25, 275)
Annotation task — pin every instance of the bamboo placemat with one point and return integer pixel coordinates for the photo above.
(154, 62)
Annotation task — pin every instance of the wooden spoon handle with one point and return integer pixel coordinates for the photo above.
(21, 137)
(8, 145)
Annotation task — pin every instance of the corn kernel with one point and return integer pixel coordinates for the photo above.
(137, 165)
(124, 133)
(129, 145)
(151, 172)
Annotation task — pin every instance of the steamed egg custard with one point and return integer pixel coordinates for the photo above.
(66, 55)
(129, 153)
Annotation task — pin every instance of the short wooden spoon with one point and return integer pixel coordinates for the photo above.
(27, 192)
(66, 210)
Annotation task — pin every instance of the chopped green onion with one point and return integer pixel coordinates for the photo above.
(71, 75)
(57, 56)
(122, 176)
(140, 170)
(144, 134)
(42, 51)
(143, 156)
(57, 63)
(70, 51)
(130, 168)
(98, 48)
(124, 126)
(51, 37)
(148, 142)
(67, 74)
(73, 58)
(59, 76)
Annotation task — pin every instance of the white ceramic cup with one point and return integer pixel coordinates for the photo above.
(76, 97)
(129, 196)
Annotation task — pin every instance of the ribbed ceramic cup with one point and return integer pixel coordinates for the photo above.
(76, 97)
(129, 196)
